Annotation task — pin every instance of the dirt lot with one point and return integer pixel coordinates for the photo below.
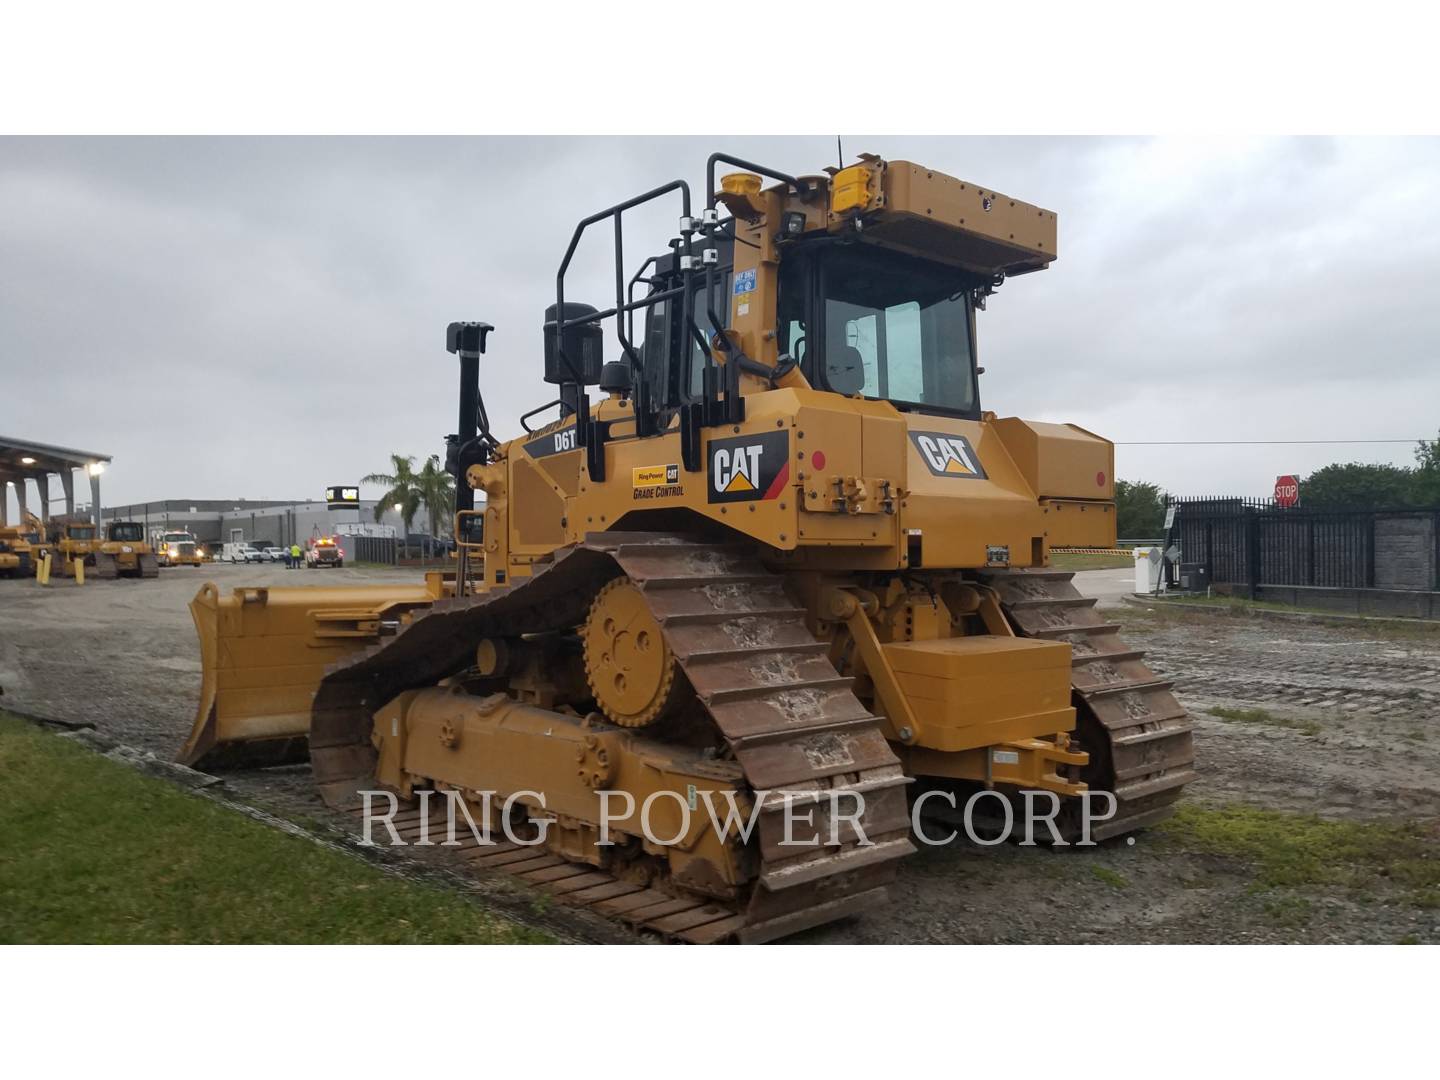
(1336, 720)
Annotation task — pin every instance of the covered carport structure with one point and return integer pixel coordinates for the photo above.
(22, 461)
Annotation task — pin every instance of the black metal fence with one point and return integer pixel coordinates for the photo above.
(1253, 542)
(390, 551)
(375, 549)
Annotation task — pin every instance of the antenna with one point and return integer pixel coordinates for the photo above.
(839, 151)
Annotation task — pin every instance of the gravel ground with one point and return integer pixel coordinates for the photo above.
(1350, 731)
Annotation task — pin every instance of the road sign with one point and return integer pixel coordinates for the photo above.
(1287, 490)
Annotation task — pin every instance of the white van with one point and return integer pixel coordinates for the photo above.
(240, 552)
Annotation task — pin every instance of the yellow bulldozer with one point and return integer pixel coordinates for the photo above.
(118, 550)
(19, 547)
(784, 559)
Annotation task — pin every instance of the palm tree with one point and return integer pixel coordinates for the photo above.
(402, 490)
(437, 488)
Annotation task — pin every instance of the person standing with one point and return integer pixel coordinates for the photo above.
(295, 556)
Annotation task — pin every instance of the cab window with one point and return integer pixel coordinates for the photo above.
(878, 324)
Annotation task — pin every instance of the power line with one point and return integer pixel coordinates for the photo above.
(1268, 442)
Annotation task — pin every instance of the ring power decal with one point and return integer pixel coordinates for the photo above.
(745, 468)
(654, 475)
(555, 442)
(948, 455)
(655, 482)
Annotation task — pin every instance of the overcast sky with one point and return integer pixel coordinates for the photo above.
(261, 317)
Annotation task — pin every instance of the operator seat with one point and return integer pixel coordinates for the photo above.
(845, 369)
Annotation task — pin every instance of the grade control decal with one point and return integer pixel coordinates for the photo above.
(655, 482)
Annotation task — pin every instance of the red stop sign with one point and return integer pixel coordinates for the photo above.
(1287, 490)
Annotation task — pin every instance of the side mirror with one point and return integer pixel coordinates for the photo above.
(582, 343)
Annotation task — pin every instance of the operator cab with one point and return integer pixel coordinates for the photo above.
(126, 532)
(859, 320)
(875, 296)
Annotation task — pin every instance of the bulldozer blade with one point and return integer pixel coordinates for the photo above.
(263, 653)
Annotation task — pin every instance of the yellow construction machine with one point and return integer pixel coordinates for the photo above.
(784, 558)
(19, 547)
(70, 540)
(125, 552)
(119, 550)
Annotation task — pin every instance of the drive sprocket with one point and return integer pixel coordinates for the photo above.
(629, 665)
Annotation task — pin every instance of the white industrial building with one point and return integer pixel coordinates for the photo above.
(262, 521)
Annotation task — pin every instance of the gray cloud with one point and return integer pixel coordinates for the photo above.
(260, 317)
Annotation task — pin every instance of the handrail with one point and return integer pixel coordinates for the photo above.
(538, 409)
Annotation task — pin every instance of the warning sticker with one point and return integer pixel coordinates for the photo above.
(744, 282)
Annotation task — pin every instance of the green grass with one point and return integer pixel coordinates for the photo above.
(1063, 561)
(1264, 717)
(96, 852)
(1303, 851)
(1113, 878)
(1290, 912)
(1239, 605)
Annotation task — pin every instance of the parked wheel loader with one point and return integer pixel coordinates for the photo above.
(784, 557)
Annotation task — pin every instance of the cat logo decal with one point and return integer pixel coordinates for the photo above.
(948, 455)
(749, 467)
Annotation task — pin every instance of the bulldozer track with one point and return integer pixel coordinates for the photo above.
(107, 567)
(792, 725)
(1137, 734)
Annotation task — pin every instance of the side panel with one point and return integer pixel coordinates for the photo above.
(836, 481)
(1073, 473)
(967, 497)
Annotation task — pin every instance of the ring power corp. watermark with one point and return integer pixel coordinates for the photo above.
(664, 818)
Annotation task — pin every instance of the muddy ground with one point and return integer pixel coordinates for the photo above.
(1340, 720)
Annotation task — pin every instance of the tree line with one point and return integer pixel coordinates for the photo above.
(1140, 506)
